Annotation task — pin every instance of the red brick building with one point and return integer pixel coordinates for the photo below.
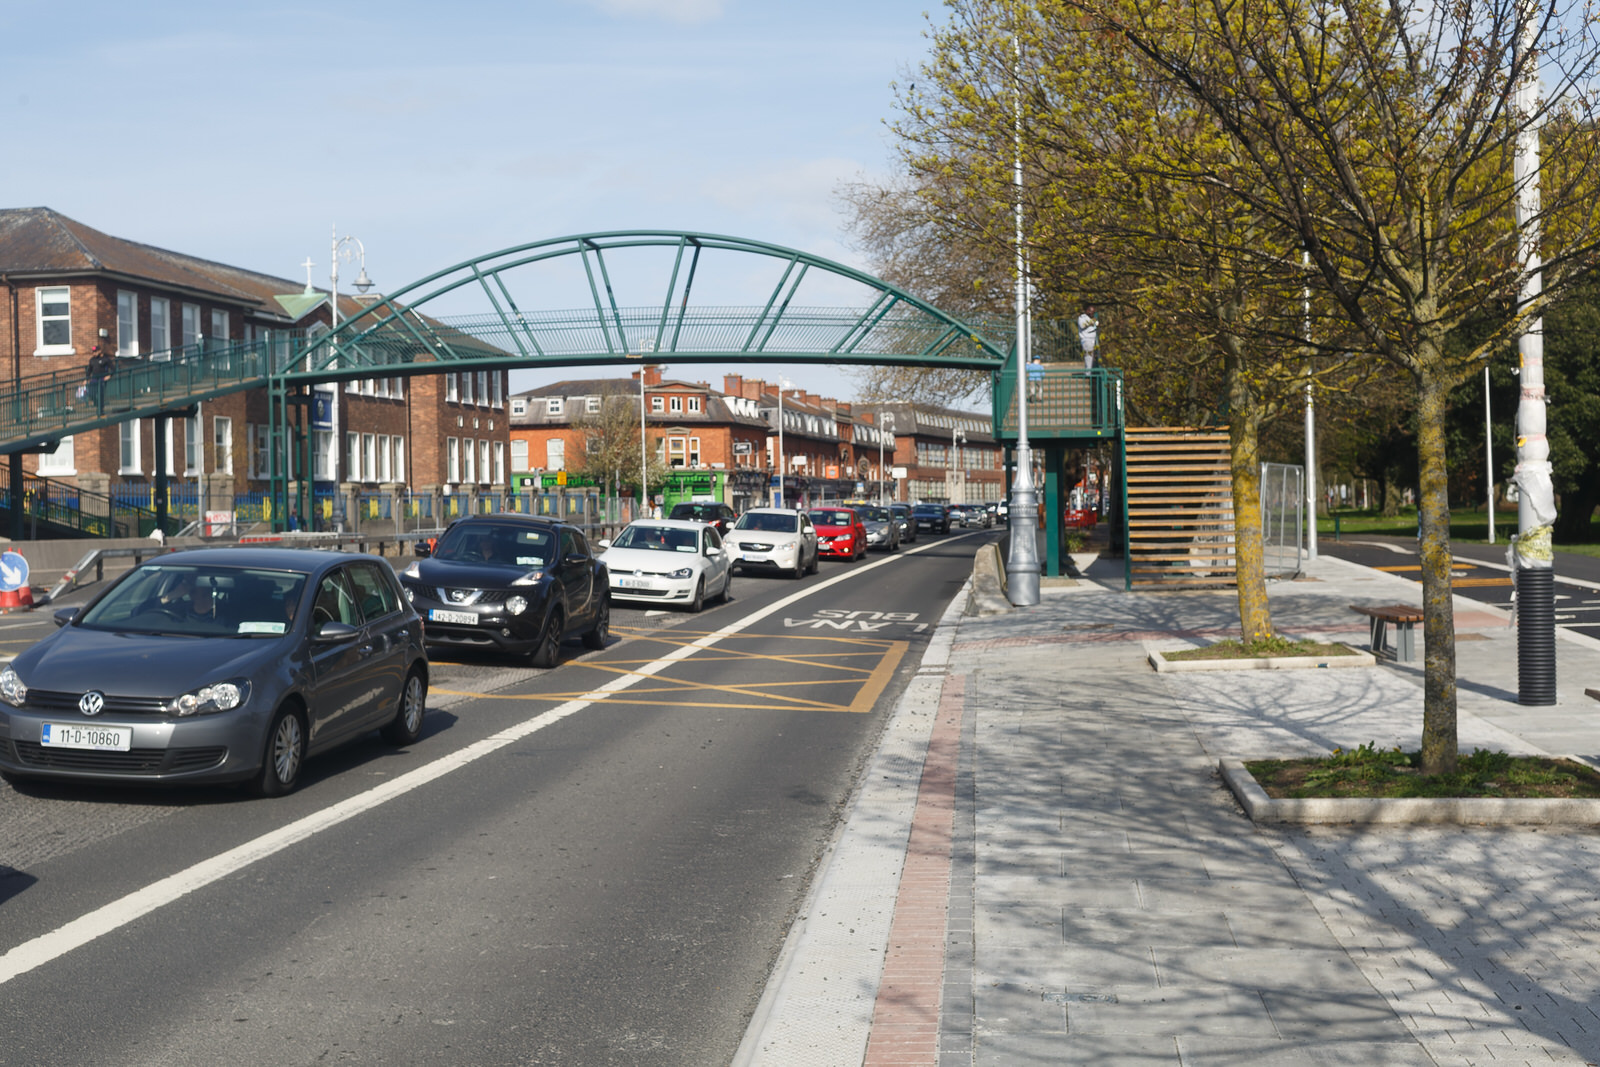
(68, 288)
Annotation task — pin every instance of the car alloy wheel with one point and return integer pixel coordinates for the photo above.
(406, 727)
(597, 637)
(548, 652)
(285, 753)
(699, 600)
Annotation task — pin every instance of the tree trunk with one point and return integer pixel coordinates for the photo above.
(1438, 611)
(1255, 616)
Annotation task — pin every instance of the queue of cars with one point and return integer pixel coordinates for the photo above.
(238, 664)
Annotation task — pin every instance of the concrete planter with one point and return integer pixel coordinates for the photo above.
(1359, 658)
(1463, 811)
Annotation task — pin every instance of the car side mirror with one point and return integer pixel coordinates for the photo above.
(333, 631)
(420, 548)
(66, 615)
(576, 559)
(605, 542)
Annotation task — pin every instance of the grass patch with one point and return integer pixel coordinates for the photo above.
(1267, 648)
(1371, 772)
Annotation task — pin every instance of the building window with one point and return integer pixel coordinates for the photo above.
(676, 405)
(257, 440)
(128, 450)
(369, 457)
(483, 387)
(353, 385)
(54, 306)
(222, 444)
(519, 455)
(675, 451)
(694, 451)
(483, 460)
(399, 459)
(160, 327)
(189, 326)
(466, 386)
(591, 404)
(469, 461)
(219, 330)
(555, 454)
(127, 323)
(498, 378)
(554, 406)
(656, 405)
(322, 445)
(452, 388)
(352, 456)
(499, 463)
(694, 405)
(452, 459)
(397, 388)
(192, 455)
(60, 461)
(519, 406)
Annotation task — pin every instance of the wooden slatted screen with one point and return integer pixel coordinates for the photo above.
(1180, 508)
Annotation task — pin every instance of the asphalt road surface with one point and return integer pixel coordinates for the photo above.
(591, 865)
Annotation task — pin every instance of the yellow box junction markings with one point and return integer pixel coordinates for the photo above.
(885, 656)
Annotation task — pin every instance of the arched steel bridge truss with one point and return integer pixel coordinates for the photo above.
(400, 335)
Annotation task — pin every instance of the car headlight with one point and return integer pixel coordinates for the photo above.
(682, 572)
(413, 571)
(223, 696)
(516, 604)
(531, 578)
(12, 691)
(411, 595)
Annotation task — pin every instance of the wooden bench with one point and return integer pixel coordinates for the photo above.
(1404, 619)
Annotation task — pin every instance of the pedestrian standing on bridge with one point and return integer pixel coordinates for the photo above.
(96, 375)
(1088, 336)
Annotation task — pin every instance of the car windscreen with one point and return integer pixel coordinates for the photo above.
(832, 518)
(657, 539)
(204, 600)
(496, 544)
(768, 522)
(874, 514)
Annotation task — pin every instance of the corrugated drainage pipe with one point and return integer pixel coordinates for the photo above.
(1536, 635)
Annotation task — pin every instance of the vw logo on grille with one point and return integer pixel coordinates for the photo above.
(92, 703)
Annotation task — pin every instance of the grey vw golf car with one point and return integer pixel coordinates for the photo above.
(217, 665)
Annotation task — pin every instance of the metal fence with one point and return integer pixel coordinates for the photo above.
(1283, 498)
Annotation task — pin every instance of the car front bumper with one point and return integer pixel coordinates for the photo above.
(223, 747)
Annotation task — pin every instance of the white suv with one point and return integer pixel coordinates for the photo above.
(780, 539)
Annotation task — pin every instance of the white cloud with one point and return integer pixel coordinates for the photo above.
(670, 10)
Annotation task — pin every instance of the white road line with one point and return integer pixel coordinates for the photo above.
(79, 932)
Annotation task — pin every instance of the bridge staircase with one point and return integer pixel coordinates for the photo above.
(1180, 509)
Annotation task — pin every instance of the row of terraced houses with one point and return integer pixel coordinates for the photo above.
(70, 288)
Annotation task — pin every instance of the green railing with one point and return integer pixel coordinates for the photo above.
(1064, 402)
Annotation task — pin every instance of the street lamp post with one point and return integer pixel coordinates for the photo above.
(341, 248)
(783, 383)
(1022, 556)
(958, 437)
(885, 423)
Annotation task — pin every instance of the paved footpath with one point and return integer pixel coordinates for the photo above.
(1042, 865)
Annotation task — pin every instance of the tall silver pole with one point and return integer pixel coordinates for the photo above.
(1488, 449)
(1311, 424)
(644, 452)
(1536, 510)
(1022, 559)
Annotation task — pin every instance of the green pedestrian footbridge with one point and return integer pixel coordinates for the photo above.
(622, 297)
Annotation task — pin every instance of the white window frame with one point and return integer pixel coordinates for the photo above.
(483, 388)
(465, 386)
(554, 405)
(657, 405)
(483, 461)
(60, 462)
(256, 438)
(51, 294)
(127, 322)
(222, 444)
(555, 454)
(130, 441)
(352, 456)
(399, 458)
(189, 325)
(469, 461)
(498, 378)
(452, 388)
(369, 457)
(172, 459)
(675, 405)
(591, 404)
(452, 460)
(322, 446)
(519, 406)
(384, 455)
(519, 453)
(193, 451)
(220, 330)
(499, 463)
(694, 405)
(160, 327)
(694, 451)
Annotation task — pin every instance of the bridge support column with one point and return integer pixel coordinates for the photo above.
(162, 422)
(1053, 456)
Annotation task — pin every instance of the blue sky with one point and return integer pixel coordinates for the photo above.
(436, 133)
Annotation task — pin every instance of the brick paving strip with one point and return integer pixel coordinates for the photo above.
(905, 1017)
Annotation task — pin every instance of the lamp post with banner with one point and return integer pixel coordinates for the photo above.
(885, 424)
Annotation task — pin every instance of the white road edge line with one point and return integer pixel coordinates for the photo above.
(119, 913)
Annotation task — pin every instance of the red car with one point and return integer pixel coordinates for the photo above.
(839, 532)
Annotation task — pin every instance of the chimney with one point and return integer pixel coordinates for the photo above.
(652, 375)
(733, 384)
(812, 399)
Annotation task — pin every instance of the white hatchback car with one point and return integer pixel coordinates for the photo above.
(780, 539)
(668, 561)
